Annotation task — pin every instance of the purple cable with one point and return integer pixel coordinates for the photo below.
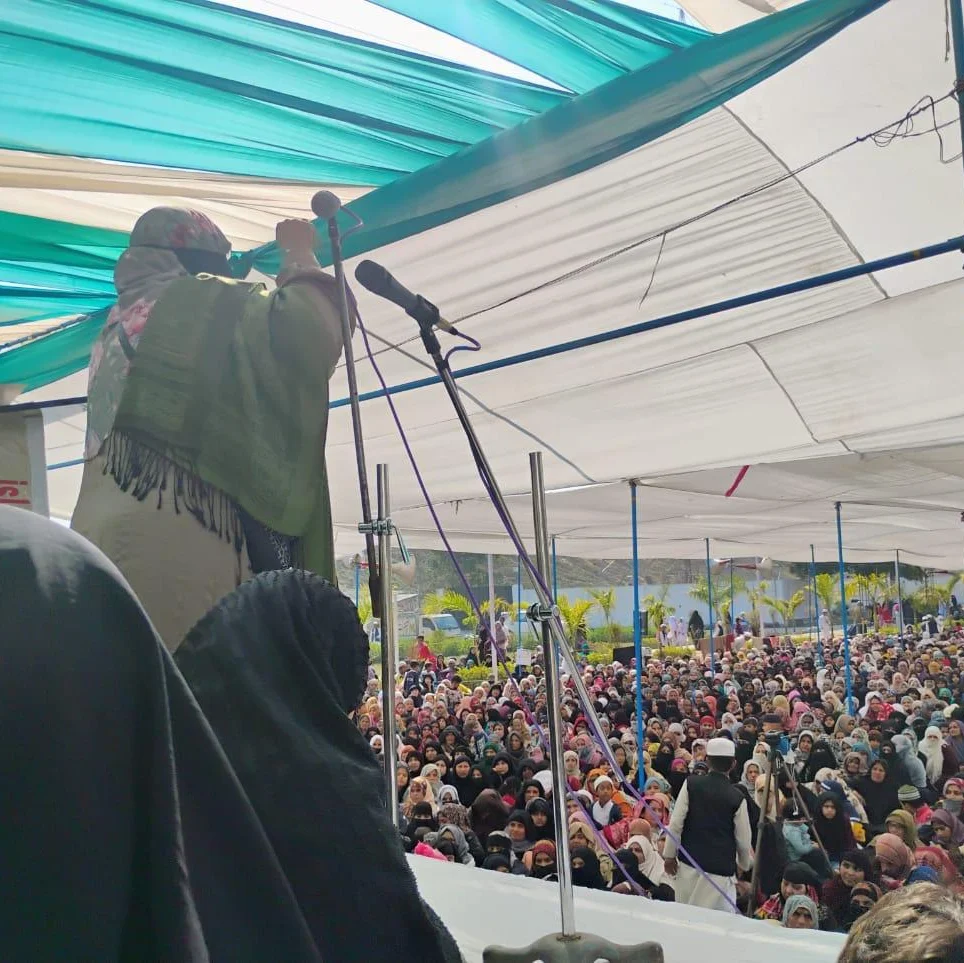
(488, 484)
(600, 838)
(422, 487)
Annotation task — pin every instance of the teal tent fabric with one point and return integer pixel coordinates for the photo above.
(47, 359)
(623, 114)
(578, 44)
(199, 86)
(607, 122)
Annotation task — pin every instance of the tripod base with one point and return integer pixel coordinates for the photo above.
(581, 948)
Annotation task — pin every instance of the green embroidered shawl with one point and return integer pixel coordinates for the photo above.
(212, 389)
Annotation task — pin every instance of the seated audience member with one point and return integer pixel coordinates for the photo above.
(916, 924)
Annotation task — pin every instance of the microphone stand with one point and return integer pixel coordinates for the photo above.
(366, 527)
(569, 946)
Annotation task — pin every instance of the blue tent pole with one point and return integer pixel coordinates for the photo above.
(732, 602)
(637, 639)
(709, 600)
(555, 573)
(957, 34)
(843, 614)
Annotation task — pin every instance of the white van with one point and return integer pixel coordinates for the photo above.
(446, 624)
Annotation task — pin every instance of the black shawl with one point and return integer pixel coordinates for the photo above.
(276, 667)
(124, 834)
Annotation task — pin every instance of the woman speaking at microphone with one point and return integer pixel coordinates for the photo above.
(207, 415)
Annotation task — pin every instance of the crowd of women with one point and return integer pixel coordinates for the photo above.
(864, 798)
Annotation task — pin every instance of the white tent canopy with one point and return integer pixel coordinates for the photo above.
(836, 383)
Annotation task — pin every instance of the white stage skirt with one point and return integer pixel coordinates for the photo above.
(482, 908)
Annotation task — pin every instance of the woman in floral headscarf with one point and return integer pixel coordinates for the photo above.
(207, 416)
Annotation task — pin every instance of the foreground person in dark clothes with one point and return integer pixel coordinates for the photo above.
(124, 835)
(277, 666)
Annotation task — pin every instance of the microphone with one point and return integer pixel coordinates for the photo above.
(325, 205)
(380, 281)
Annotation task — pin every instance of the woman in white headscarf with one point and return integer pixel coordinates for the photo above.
(650, 862)
(932, 749)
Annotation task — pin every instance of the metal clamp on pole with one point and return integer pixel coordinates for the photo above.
(382, 528)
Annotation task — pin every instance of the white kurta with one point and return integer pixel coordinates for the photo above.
(709, 890)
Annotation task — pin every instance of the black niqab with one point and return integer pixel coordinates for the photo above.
(125, 835)
(276, 667)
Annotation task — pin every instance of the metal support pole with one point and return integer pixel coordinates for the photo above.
(344, 312)
(555, 571)
(518, 606)
(709, 600)
(900, 601)
(550, 657)
(810, 600)
(357, 580)
(816, 607)
(384, 530)
(637, 634)
(492, 646)
(843, 614)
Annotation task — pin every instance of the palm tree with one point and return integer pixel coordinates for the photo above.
(364, 606)
(757, 595)
(827, 587)
(785, 608)
(874, 587)
(722, 600)
(605, 601)
(659, 611)
(574, 613)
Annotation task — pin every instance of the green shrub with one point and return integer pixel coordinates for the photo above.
(452, 646)
(481, 673)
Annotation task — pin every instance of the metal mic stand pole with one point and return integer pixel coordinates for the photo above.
(550, 657)
(755, 877)
(568, 947)
(429, 339)
(374, 575)
(383, 528)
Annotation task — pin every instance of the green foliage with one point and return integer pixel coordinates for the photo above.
(364, 606)
(827, 586)
(574, 613)
(756, 594)
(722, 595)
(658, 608)
(785, 609)
(872, 586)
(614, 634)
(605, 600)
(481, 673)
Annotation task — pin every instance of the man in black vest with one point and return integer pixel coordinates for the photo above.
(711, 821)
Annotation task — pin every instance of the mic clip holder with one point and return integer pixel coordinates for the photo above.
(427, 315)
(539, 613)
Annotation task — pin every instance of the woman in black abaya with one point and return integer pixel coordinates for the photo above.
(124, 835)
(277, 666)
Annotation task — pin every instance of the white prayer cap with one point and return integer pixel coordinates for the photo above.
(721, 747)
